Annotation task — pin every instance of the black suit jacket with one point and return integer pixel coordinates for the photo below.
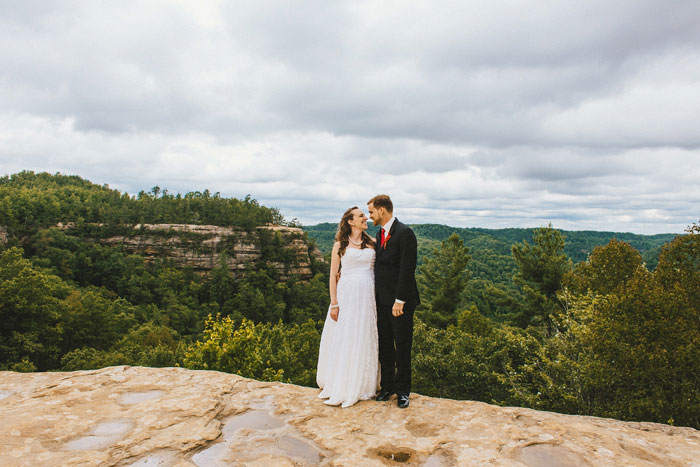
(395, 267)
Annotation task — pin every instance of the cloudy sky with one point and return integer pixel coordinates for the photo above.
(491, 113)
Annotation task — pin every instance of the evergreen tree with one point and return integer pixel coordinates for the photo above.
(542, 266)
(442, 280)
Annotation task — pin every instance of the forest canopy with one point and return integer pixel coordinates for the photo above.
(590, 323)
(29, 201)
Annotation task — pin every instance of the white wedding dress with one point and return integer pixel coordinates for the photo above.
(348, 360)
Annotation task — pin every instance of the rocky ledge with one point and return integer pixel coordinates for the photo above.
(200, 246)
(172, 416)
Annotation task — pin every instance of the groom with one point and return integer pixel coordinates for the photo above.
(397, 298)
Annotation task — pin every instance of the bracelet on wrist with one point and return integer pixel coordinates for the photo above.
(335, 306)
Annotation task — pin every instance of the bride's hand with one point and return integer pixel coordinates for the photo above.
(334, 313)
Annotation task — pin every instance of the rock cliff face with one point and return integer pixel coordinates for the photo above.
(178, 417)
(200, 246)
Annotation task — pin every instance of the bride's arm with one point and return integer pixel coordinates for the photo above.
(333, 281)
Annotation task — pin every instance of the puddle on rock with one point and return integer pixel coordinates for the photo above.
(264, 434)
(132, 398)
(214, 456)
(548, 455)
(253, 419)
(297, 448)
(100, 436)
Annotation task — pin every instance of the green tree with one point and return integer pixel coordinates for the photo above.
(147, 345)
(31, 307)
(93, 318)
(495, 301)
(259, 298)
(442, 279)
(474, 360)
(679, 266)
(307, 300)
(222, 284)
(264, 351)
(542, 266)
(608, 268)
(627, 351)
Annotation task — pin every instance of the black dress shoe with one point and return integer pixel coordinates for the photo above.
(383, 396)
(403, 401)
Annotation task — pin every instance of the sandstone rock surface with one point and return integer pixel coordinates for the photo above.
(177, 417)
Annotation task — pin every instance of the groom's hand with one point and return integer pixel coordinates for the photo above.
(397, 309)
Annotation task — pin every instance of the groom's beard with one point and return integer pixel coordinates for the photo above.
(378, 223)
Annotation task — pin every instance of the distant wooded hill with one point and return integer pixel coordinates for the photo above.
(491, 248)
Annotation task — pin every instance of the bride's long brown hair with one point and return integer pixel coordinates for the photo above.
(344, 231)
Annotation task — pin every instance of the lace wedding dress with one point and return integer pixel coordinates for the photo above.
(348, 360)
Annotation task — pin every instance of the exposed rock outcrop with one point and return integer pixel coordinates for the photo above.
(200, 246)
(173, 416)
(3, 235)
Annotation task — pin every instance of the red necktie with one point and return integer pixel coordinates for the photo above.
(383, 239)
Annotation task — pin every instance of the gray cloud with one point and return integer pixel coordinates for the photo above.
(468, 113)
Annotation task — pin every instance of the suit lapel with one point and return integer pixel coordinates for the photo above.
(392, 230)
(377, 242)
(391, 234)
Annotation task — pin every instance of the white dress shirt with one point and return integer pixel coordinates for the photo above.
(387, 226)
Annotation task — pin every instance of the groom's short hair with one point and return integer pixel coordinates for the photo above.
(382, 201)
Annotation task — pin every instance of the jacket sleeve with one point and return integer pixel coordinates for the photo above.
(408, 249)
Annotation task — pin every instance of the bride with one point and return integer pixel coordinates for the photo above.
(348, 360)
